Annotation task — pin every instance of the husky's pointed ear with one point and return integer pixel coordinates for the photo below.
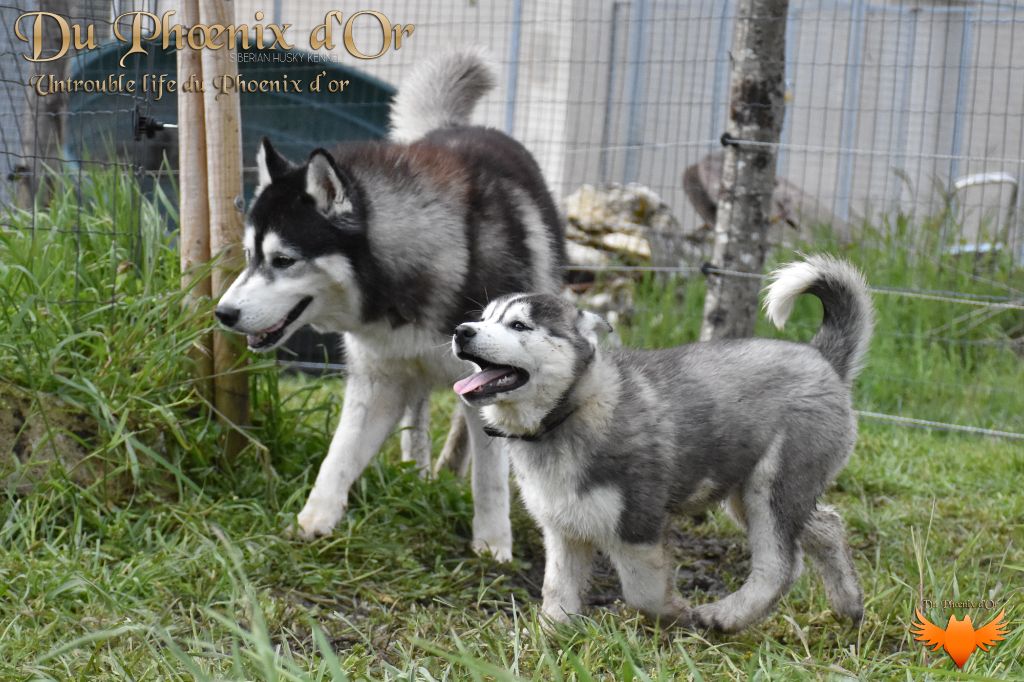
(591, 326)
(270, 164)
(324, 184)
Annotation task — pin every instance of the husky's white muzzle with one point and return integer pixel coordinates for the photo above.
(267, 312)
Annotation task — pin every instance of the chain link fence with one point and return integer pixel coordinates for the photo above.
(904, 130)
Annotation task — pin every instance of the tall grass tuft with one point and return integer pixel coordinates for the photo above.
(94, 351)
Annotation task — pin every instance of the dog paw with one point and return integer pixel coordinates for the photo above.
(673, 613)
(552, 618)
(852, 610)
(318, 518)
(847, 601)
(500, 551)
(714, 616)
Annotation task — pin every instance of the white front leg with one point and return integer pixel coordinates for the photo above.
(492, 528)
(371, 409)
(416, 433)
(567, 566)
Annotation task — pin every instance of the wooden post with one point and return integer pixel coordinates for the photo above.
(194, 209)
(224, 179)
(756, 108)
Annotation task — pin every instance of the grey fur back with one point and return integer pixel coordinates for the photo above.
(440, 93)
(709, 412)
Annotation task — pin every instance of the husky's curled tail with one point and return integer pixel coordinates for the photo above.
(440, 93)
(849, 317)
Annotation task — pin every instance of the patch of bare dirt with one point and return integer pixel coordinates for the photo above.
(41, 436)
(710, 566)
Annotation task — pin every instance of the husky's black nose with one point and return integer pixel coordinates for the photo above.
(463, 333)
(228, 315)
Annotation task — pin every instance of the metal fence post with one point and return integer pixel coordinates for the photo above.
(515, 43)
(959, 111)
(851, 108)
(634, 129)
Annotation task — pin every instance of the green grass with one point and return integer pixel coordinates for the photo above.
(93, 323)
(188, 573)
(207, 586)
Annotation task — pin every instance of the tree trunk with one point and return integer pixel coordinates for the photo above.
(756, 108)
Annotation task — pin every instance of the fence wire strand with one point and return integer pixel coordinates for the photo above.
(980, 300)
(888, 107)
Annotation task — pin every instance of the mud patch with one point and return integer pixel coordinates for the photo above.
(42, 437)
(707, 566)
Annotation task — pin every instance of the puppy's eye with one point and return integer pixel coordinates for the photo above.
(282, 262)
(519, 326)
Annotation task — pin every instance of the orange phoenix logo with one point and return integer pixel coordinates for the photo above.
(959, 638)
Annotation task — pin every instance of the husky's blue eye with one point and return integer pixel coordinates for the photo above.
(519, 326)
(282, 262)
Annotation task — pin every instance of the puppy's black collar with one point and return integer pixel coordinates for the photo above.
(546, 427)
(555, 417)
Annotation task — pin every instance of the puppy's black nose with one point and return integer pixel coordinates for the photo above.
(228, 315)
(463, 333)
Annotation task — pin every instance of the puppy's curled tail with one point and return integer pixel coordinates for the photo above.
(439, 93)
(849, 316)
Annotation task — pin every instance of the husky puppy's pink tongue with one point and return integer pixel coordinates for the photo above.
(475, 381)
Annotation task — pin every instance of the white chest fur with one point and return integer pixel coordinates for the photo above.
(410, 352)
(551, 493)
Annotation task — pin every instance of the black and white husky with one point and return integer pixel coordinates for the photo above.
(607, 444)
(394, 243)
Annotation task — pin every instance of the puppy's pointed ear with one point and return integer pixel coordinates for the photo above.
(324, 184)
(591, 326)
(270, 164)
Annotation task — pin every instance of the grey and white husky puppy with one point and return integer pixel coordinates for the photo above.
(393, 244)
(606, 445)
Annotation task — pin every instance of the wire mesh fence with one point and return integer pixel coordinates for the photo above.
(53, 142)
(892, 106)
(904, 131)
